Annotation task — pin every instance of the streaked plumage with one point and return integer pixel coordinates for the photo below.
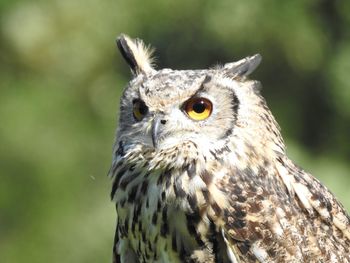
(218, 189)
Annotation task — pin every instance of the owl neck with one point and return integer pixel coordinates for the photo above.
(184, 177)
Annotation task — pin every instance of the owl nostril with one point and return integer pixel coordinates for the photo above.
(162, 121)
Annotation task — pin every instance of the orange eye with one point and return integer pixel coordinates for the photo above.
(139, 109)
(198, 108)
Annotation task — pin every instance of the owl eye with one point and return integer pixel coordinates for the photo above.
(139, 109)
(198, 108)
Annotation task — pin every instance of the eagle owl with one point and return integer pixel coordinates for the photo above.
(200, 173)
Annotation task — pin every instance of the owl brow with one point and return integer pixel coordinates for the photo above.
(142, 90)
(201, 87)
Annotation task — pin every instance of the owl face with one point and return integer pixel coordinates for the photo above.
(171, 107)
(208, 108)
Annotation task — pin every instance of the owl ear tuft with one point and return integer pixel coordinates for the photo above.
(136, 54)
(243, 67)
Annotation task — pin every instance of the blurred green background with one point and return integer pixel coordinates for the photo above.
(61, 79)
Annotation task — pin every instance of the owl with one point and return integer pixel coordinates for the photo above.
(200, 173)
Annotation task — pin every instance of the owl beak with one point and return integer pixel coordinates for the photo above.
(158, 126)
(155, 132)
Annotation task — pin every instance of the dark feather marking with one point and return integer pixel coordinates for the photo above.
(192, 221)
(116, 167)
(154, 218)
(239, 213)
(244, 247)
(222, 150)
(237, 190)
(122, 202)
(206, 177)
(143, 235)
(127, 180)
(216, 208)
(167, 182)
(179, 191)
(191, 169)
(160, 179)
(164, 229)
(116, 257)
(202, 87)
(192, 201)
(116, 181)
(132, 167)
(155, 256)
(241, 198)
(214, 155)
(120, 150)
(235, 106)
(238, 223)
(207, 79)
(205, 193)
(144, 187)
(173, 241)
(159, 205)
(126, 224)
(213, 239)
(139, 248)
(133, 226)
(150, 248)
(272, 252)
(182, 253)
(132, 194)
(156, 238)
(135, 219)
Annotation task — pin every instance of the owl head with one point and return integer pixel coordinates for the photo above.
(212, 109)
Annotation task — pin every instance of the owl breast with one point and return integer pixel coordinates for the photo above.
(163, 207)
(152, 213)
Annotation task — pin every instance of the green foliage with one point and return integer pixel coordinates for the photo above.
(60, 85)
